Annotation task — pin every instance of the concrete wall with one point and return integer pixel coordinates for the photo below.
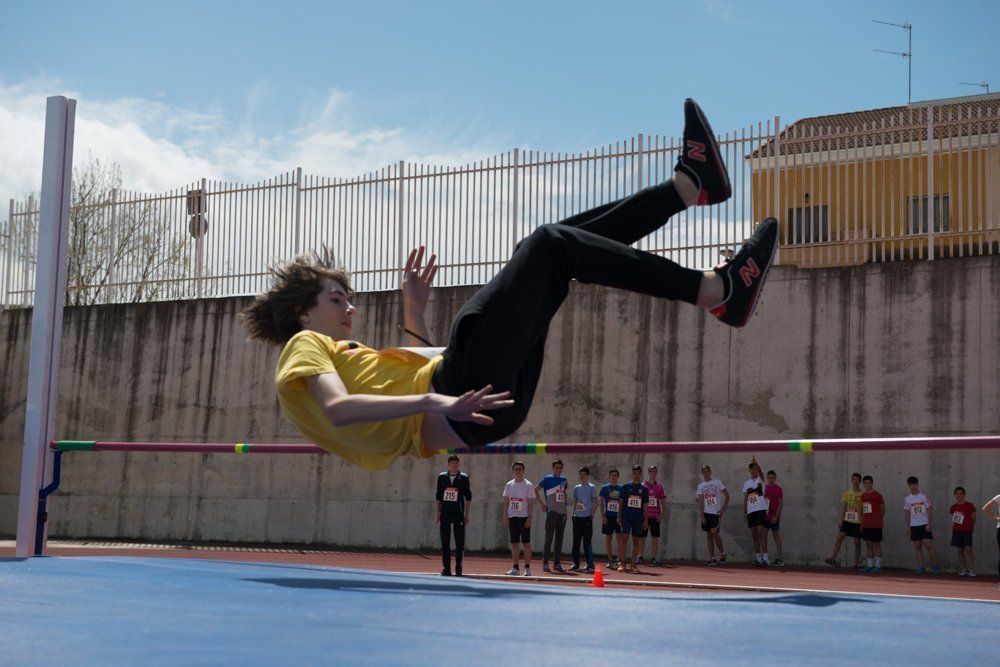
(892, 349)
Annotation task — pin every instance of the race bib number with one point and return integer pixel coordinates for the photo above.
(866, 508)
(451, 495)
(654, 502)
(752, 498)
(580, 507)
(560, 496)
(710, 502)
(635, 502)
(917, 508)
(958, 518)
(851, 515)
(516, 504)
(613, 506)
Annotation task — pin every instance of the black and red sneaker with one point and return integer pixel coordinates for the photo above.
(700, 158)
(743, 275)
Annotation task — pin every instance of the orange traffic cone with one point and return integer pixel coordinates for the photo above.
(598, 580)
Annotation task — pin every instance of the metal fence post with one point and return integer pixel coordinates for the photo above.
(10, 257)
(399, 223)
(29, 241)
(513, 210)
(298, 211)
(777, 183)
(930, 215)
(639, 170)
(112, 246)
(199, 270)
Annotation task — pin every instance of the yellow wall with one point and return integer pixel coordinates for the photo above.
(868, 201)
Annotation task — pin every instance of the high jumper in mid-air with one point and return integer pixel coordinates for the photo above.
(373, 406)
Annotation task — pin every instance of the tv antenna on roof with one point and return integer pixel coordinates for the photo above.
(981, 84)
(908, 54)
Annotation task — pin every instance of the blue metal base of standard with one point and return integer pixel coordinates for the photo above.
(172, 611)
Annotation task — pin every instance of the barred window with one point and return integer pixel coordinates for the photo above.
(809, 224)
(919, 214)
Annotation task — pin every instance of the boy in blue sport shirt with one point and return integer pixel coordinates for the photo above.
(584, 507)
(551, 494)
(611, 503)
(634, 519)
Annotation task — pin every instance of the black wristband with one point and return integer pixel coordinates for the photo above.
(418, 337)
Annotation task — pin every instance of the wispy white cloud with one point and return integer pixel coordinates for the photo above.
(161, 145)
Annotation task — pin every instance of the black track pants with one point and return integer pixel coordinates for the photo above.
(498, 336)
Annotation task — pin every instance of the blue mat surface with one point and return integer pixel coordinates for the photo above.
(174, 611)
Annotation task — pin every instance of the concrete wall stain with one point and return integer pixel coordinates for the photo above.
(641, 404)
(699, 381)
(841, 296)
(809, 417)
(939, 387)
(857, 400)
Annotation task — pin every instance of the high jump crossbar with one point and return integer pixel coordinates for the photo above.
(676, 447)
(60, 447)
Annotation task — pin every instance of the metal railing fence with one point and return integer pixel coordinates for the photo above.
(917, 185)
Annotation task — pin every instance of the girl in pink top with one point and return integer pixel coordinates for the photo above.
(657, 498)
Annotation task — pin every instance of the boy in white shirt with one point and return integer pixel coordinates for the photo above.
(713, 499)
(755, 512)
(919, 517)
(518, 497)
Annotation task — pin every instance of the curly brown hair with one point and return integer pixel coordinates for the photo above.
(273, 317)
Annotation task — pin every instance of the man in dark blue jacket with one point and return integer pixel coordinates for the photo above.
(454, 497)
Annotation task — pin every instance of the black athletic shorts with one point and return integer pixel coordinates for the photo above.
(710, 521)
(961, 538)
(519, 532)
(632, 525)
(773, 525)
(756, 518)
(611, 527)
(920, 533)
(871, 534)
(850, 529)
(654, 528)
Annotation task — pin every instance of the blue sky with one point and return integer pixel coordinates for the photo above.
(243, 90)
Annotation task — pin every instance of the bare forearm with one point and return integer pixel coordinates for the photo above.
(362, 408)
(414, 321)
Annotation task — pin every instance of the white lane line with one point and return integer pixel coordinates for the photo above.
(724, 587)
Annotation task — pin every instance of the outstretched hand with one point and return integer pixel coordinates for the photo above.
(417, 280)
(469, 406)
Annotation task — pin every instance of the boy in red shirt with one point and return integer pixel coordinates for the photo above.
(872, 516)
(963, 520)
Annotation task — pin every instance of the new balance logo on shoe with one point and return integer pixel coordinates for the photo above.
(749, 272)
(751, 264)
(696, 150)
(700, 159)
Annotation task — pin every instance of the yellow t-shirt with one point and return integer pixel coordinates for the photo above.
(390, 372)
(852, 500)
